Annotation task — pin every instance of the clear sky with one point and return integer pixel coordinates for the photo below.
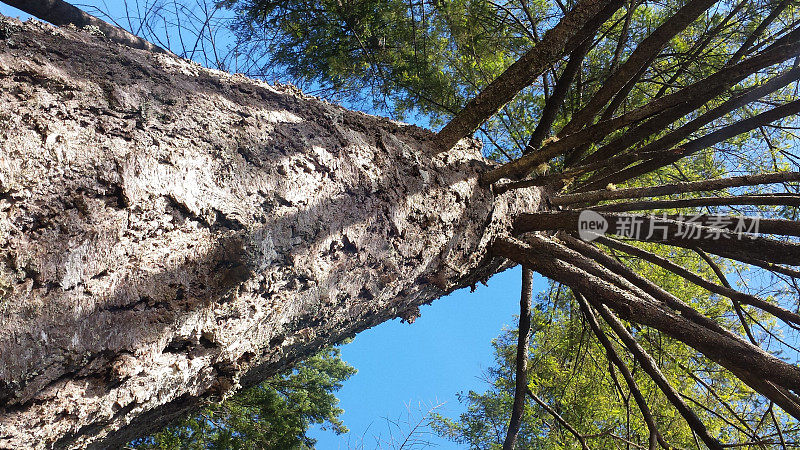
(404, 369)
(402, 366)
(12, 12)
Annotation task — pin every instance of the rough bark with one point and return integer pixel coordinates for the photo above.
(168, 233)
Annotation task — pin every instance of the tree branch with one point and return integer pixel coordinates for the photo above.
(591, 197)
(757, 200)
(61, 13)
(651, 368)
(611, 353)
(715, 84)
(762, 371)
(558, 418)
(661, 121)
(555, 101)
(787, 316)
(657, 159)
(723, 239)
(736, 305)
(751, 39)
(576, 26)
(521, 377)
(644, 53)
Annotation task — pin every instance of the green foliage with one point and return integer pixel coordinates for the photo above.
(429, 58)
(426, 56)
(407, 57)
(275, 414)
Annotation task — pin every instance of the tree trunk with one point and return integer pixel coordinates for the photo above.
(169, 233)
(61, 13)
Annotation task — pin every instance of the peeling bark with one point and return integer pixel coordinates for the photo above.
(169, 233)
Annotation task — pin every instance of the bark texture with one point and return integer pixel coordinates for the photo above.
(168, 233)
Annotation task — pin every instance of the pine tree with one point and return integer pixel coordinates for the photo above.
(211, 230)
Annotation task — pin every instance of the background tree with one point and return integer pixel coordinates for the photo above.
(273, 414)
(682, 89)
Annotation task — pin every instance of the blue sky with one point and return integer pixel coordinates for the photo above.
(404, 369)
(445, 351)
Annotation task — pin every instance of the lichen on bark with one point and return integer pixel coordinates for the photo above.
(169, 233)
